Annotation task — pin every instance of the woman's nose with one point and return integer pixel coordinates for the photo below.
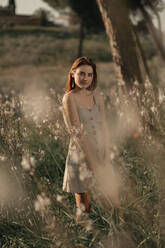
(85, 77)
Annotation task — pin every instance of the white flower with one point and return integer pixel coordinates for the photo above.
(42, 152)
(60, 108)
(121, 83)
(32, 161)
(41, 203)
(57, 125)
(89, 225)
(37, 206)
(58, 243)
(79, 210)
(153, 109)
(136, 83)
(25, 164)
(47, 201)
(59, 198)
(2, 158)
(112, 155)
(121, 114)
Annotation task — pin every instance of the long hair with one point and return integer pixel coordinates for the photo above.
(78, 62)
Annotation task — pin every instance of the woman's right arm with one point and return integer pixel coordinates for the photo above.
(75, 128)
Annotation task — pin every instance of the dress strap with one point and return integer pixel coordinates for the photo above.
(95, 97)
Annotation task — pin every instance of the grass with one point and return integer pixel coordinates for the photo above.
(24, 238)
(34, 143)
(32, 47)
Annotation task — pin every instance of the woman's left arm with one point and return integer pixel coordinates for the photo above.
(105, 130)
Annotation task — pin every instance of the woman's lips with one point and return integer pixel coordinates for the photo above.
(84, 82)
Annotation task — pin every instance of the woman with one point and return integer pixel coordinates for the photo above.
(84, 116)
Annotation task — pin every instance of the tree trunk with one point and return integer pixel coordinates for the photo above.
(81, 39)
(126, 54)
(12, 6)
(134, 92)
(141, 51)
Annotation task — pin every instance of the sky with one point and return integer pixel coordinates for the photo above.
(29, 6)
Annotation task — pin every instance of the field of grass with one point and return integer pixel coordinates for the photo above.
(37, 47)
(35, 212)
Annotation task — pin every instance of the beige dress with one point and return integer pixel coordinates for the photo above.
(77, 175)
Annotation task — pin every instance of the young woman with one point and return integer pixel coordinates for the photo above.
(84, 116)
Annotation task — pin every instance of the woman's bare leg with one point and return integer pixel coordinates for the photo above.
(87, 202)
(83, 198)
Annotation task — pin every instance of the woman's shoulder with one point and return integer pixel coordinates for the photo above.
(68, 97)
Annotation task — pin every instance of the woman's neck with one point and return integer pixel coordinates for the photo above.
(83, 91)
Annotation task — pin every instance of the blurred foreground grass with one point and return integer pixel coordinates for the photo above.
(34, 142)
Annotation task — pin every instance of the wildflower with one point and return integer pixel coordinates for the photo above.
(58, 243)
(42, 152)
(41, 203)
(153, 109)
(2, 131)
(80, 210)
(25, 164)
(60, 108)
(44, 121)
(121, 114)
(136, 83)
(57, 124)
(121, 83)
(112, 155)
(161, 96)
(115, 148)
(117, 100)
(89, 225)
(32, 161)
(3, 158)
(137, 93)
(59, 198)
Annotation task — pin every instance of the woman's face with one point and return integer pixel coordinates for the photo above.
(83, 76)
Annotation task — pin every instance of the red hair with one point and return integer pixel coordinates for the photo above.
(78, 62)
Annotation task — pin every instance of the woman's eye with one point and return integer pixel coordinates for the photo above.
(90, 74)
(83, 74)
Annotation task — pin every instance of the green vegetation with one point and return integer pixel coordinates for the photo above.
(34, 142)
(32, 47)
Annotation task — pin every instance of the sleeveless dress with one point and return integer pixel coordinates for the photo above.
(77, 175)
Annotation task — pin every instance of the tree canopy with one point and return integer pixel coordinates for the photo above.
(152, 4)
(58, 4)
(89, 14)
(87, 11)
